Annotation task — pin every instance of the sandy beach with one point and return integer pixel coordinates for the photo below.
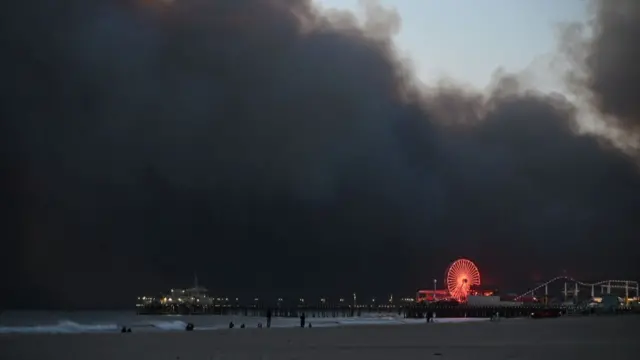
(612, 338)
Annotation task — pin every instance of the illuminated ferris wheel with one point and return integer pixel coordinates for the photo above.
(461, 275)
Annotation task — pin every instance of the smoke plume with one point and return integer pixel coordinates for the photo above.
(281, 150)
(604, 74)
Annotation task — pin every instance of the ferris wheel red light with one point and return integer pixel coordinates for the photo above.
(461, 275)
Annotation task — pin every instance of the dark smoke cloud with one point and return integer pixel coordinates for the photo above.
(606, 60)
(280, 152)
(614, 58)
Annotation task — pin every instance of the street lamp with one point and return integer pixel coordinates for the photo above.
(435, 288)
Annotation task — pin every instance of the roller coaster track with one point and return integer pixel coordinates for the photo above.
(612, 284)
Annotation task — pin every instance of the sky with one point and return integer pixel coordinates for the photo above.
(441, 36)
(282, 151)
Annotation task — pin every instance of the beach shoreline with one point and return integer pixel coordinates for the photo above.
(584, 338)
(56, 322)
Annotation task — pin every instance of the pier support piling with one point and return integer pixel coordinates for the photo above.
(626, 292)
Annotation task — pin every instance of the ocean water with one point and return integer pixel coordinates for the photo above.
(113, 321)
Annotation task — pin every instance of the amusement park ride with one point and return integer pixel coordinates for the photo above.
(462, 278)
(605, 287)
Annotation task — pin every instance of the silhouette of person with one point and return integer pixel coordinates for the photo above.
(302, 318)
(268, 318)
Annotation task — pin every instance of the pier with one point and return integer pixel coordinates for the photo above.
(414, 310)
(460, 299)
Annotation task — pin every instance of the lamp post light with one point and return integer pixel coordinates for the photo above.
(435, 288)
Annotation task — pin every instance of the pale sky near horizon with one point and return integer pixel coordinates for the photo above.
(468, 40)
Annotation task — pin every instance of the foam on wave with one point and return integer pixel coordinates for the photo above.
(169, 325)
(64, 326)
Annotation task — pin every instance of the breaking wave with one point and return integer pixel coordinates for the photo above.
(60, 327)
(214, 323)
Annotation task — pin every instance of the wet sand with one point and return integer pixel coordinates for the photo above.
(609, 338)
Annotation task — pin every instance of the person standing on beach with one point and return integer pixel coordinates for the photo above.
(302, 317)
(268, 318)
